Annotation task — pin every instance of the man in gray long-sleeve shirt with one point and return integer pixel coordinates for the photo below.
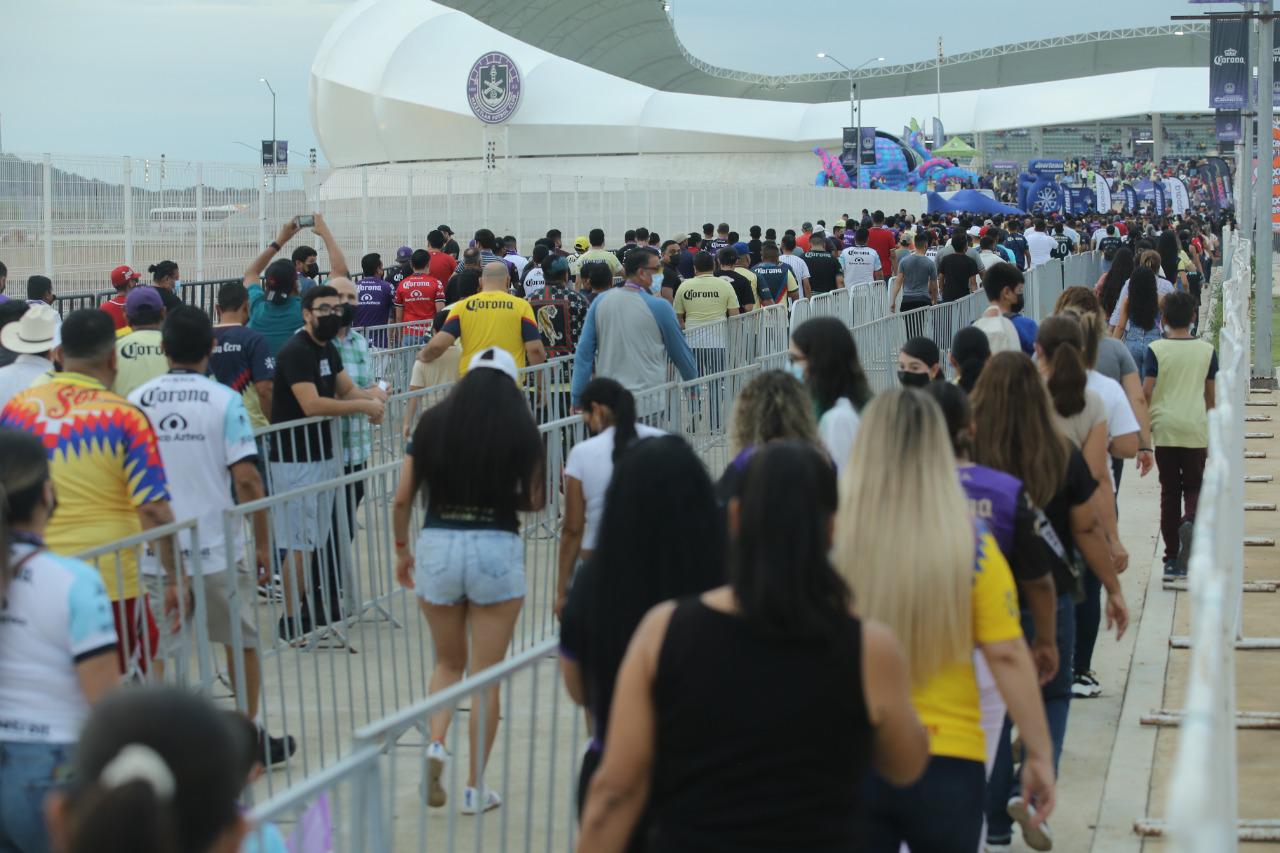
(629, 333)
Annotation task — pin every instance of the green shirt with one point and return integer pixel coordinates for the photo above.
(276, 323)
(357, 436)
(1180, 366)
(139, 359)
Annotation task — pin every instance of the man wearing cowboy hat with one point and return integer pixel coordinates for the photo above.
(32, 337)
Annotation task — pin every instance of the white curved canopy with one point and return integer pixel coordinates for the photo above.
(388, 84)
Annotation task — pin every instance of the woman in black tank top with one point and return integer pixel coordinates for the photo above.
(746, 718)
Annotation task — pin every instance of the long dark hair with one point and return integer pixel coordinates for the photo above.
(958, 413)
(1168, 248)
(479, 448)
(197, 745)
(1144, 299)
(970, 348)
(1121, 269)
(783, 581)
(648, 557)
(608, 392)
(1062, 340)
(24, 469)
(161, 271)
(834, 368)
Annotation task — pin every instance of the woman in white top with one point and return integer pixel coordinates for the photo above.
(57, 644)
(609, 411)
(824, 357)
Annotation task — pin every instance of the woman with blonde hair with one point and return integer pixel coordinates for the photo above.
(774, 406)
(1014, 432)
(942, 595)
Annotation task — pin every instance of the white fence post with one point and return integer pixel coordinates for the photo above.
(364, 210)
(550, 218)
(262, 210)
(448, 201)
(199, 221)
(408, 207)
(127, 197)
(577, 210)
(46, 190)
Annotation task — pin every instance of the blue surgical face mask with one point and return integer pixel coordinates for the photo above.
(177, 285)
(656, 286)
(796, 369)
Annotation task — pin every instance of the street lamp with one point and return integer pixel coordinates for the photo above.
(855, 102)
(275, 168)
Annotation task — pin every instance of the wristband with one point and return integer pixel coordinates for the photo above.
(400, 544)
(1145, 450)
(273, 244)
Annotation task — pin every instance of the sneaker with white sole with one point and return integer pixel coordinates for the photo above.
(1086, 686)
(437, 757)
(471, 801)
(997, 848)
(1037, 837)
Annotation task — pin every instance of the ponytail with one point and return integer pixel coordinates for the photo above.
(970, 370)
(609, 393)
(130, 804)
(24, 469)
(1061, 339)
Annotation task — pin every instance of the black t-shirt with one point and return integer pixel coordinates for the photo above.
(753, 248)
(451, 248)
(1109, 244)
(395, 275)
(1077, 487)
(741, 287)
(301, 359)
(822, 271)
(955, 270)
(170, 299)
(1064, 248)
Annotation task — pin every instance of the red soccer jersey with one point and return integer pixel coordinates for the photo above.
(441, 266)
(418, 295)
(116, 310)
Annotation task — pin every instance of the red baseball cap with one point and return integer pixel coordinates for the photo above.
(122, 275)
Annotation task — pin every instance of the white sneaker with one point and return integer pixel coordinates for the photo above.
(1086, 686)
(471, 801)
(437, 757)
(997, 848)
(1037, 838)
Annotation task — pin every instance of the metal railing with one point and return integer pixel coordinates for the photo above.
(1202, 804)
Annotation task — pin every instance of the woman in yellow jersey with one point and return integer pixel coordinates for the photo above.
(942, 594)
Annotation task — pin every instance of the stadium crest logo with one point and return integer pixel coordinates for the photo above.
(493, 88)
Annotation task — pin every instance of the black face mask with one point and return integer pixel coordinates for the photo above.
(348, 314)
(327, 328)
(1017, 307)
(913, 380)
(313, 271)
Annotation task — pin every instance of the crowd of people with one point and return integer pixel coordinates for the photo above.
(799, 566)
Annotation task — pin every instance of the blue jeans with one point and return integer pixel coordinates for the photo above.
(1088, 620)
(28, 772)
(950, 793)
(1004, 783)
(1137, 341)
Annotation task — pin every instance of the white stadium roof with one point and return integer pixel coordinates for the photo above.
(388, 84)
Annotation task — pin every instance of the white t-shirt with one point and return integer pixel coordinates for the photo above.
(838, 427)
(988, 259)
(798, 268)
(1120, 417)
(1040, 245)
(859, 265)
(535, 283)
(55, 614)
(203, 429)
(591, 463)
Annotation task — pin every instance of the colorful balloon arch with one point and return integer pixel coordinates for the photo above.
(900, 165)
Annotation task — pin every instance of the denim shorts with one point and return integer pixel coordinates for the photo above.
(28, 773)
(480, 566)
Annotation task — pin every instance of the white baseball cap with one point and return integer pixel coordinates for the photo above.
(496, 358)
(37, 330)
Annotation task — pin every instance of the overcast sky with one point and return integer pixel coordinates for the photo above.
(180, 77)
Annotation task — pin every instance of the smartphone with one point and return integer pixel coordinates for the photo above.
(308, 221)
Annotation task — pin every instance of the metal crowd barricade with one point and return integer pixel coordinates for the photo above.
(705, 411)
(184, 658)
(533, 764)
(65, 303)
(204, 294)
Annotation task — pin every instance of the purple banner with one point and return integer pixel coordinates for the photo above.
(1228, 64)
(1005, 165)
(1227, 125)
(868, 145)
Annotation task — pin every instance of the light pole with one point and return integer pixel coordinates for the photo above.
(275, 167)
(855, 104)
